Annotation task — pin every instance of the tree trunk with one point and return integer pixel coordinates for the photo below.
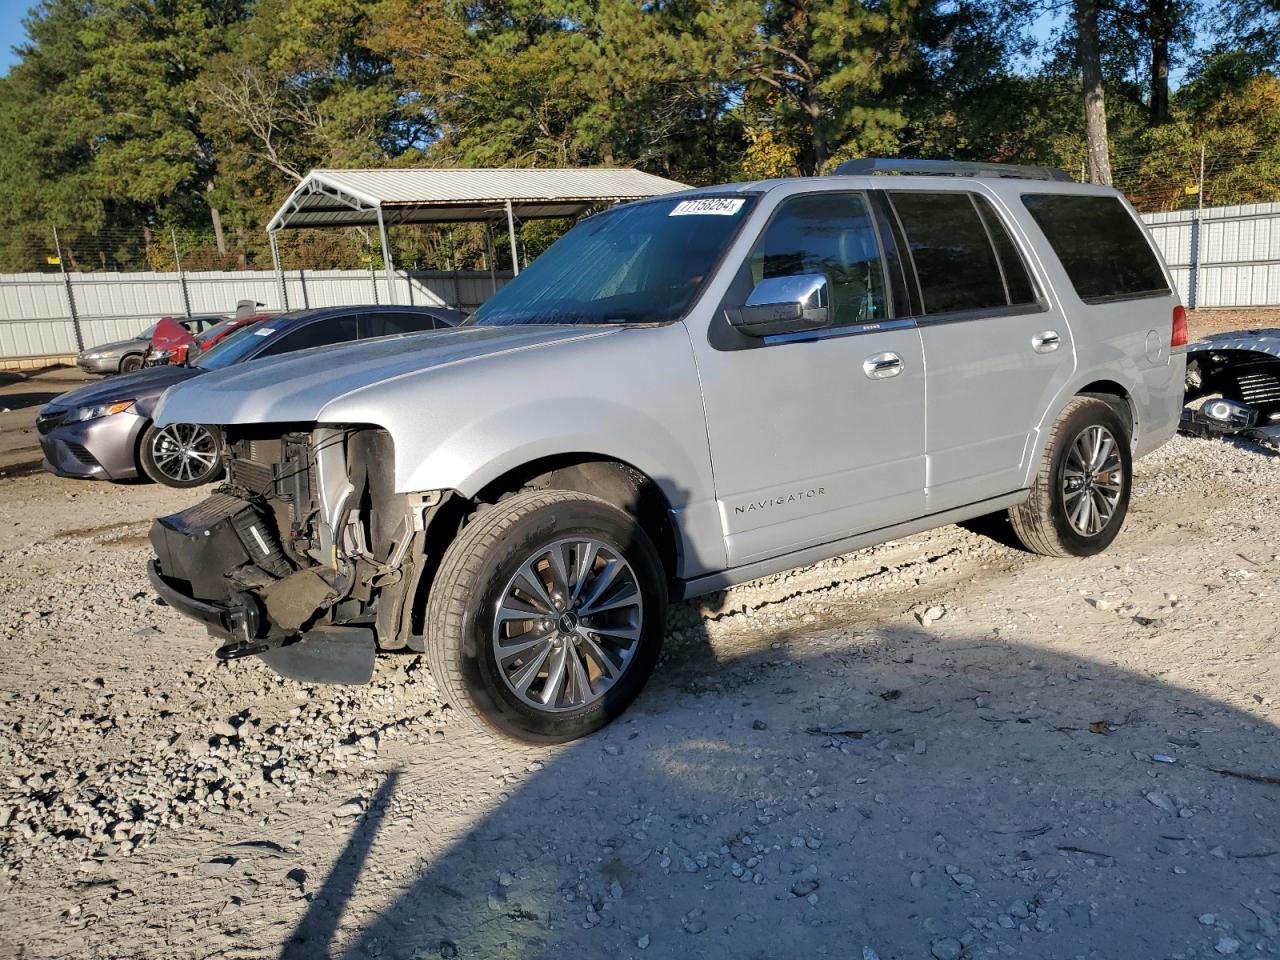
(1095, 110)
(1160, 26)
(814, 111)
(216, 216)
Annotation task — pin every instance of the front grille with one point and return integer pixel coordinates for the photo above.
(81, 454)
(45, 422)
(1258, 388)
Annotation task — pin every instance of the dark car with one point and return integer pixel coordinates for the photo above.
(103, 431)
(126, 356)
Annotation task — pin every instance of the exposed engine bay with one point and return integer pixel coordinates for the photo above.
(1233, 387)
(305, 555)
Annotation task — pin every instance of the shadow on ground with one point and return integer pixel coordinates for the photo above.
(916, 797)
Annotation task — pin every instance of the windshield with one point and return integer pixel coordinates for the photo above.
(638, 263)
(235, 346)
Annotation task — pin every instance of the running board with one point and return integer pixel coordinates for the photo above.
(835, 548)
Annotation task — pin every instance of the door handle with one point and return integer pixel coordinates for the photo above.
(1046, 342)
(882, 366)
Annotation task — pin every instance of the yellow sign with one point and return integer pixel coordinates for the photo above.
(1191, 188)
(53, 261)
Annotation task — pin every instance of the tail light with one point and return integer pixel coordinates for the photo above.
(1178, 338)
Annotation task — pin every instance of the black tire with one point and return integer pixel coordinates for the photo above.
(131, 363)
(475, 575)
(152, 460)
(1042, 522)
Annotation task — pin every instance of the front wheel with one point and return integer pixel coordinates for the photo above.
(1081, 492)
(180, 454)
(131, 363)
(546, 616)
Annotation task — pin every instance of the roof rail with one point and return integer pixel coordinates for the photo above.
(949, 168)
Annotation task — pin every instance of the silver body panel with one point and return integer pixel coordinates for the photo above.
(770, 456)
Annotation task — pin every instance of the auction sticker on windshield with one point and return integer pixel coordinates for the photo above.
(714, 206)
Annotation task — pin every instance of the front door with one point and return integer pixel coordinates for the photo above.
(819, 435)
(997, 353)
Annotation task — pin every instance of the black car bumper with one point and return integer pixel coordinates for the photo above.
(197, 550)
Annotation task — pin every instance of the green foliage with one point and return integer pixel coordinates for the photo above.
(129, 122)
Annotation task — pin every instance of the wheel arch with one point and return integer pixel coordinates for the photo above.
(611, 479)
(1109, 391)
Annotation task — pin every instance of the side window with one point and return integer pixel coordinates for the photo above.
(831, 234)
(964, 258)
(1103, 249)
(318, 333)
(390, 324)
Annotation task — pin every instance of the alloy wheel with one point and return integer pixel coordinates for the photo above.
(568, 624)
(184, 451)
(1092, 480)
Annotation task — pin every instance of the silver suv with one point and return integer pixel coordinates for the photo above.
(681, 394)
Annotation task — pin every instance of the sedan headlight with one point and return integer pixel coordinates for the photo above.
(80, 414)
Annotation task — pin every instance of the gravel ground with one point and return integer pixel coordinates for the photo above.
(940, 747)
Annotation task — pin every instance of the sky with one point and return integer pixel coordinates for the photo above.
(12, 13)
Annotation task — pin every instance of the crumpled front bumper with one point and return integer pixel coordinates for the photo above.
(237, 622)
(279, 619)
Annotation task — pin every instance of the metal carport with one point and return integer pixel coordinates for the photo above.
(388, 197)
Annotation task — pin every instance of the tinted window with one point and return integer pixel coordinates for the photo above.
(390, 324)
(831, 234)
(1013, 269)
(318, 333)
(953, 244)
(1103, 249)
(637, 263)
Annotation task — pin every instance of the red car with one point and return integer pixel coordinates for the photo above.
(172, 342)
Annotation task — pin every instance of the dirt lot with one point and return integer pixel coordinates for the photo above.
(940, 747)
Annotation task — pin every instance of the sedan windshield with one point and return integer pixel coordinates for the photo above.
(235, 346)
(638, 263)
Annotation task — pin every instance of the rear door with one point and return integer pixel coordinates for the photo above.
(390, 323)
(816, 435)
(995, 351)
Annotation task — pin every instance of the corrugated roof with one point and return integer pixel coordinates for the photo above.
(351, 197)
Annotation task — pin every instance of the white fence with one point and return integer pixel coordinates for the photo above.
(40, 312)
(1222, 256)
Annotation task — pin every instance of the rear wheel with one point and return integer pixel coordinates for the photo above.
(131, 363)
(180, 454)
(546, 616)
(1081, 492)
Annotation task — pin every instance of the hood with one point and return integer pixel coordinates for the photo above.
(298, 386)
(144, 386)
(115, 346)
(170, 334)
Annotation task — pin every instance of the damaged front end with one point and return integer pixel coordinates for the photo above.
(1233, 387)
(306, 556)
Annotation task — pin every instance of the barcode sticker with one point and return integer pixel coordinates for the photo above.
(707, 206)
(264, 332)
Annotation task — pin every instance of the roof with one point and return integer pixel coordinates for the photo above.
(339, 198)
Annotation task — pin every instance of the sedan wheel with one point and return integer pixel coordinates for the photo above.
(181, 454)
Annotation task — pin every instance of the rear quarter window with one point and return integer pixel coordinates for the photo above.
(1104, 251)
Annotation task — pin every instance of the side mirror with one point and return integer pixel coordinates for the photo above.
(785, 305)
